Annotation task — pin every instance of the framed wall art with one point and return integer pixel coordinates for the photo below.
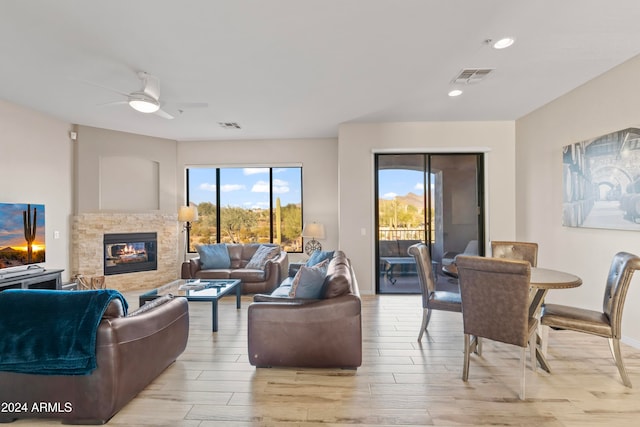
(601, 182)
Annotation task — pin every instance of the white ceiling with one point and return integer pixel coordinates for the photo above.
(299, 68)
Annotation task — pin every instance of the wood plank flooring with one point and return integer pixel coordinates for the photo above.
(401, 382)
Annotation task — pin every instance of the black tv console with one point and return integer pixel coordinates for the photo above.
(32, 279)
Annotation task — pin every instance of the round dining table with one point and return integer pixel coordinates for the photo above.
(545, 278)
(542, 280)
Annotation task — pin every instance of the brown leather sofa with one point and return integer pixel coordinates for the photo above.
(131, 352)
(253, 281)
(311, 333)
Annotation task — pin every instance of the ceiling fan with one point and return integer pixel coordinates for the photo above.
(147, 99)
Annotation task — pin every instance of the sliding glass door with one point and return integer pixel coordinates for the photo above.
(432, 198)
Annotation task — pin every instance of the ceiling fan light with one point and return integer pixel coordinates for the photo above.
(144, 104)
(503, 43)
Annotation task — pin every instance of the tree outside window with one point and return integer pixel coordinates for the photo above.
(246, 205)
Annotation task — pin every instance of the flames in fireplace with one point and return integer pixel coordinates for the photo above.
(129, 252)
(119, 253)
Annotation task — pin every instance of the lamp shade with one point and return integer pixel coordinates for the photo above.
(313, 230)
(188, 214)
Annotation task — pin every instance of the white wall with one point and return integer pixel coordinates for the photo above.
(318, 157)
(35, 167)
(109, 164)
(359, 141)
(603, 105)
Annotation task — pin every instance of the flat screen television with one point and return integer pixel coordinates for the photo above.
(22, 235)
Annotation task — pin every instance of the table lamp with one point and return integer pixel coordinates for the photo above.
(314, 231)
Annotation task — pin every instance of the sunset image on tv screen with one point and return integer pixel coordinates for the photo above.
(21, 234)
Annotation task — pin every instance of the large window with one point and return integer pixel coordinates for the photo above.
(246, 205)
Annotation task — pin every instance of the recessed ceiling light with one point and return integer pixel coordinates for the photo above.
(503, 43)
(455, 92)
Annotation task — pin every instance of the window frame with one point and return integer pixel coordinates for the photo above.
(271, 196)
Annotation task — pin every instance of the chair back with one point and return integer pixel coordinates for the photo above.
(526, 251)
(420, 253)
(495, 298)
(621, 271)
(471, 248)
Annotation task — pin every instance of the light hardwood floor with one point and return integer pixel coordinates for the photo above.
(401, 381)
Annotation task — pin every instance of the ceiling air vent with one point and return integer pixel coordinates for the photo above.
(471, 75)
(229, 125)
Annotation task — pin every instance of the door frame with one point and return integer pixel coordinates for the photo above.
(483, 189)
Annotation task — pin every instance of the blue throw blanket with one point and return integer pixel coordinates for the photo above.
(51, 332)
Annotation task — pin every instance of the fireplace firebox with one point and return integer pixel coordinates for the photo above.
(130, 252)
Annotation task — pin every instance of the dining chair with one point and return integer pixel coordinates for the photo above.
(495, 306)
(431, 299)
(608, 322)
(527, 251)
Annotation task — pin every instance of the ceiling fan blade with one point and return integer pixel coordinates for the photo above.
(113, 103)
(188, 105)
(163, 114)
(110, 89)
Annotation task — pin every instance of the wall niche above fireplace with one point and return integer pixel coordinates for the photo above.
(130, 252)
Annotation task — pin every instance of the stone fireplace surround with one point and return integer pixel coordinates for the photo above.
(87, 256)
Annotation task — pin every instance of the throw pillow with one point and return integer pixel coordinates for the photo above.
(319, 256)
(308, 281)
(214, 256)
(262, 255)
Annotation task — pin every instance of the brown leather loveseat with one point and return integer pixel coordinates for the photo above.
(131, 351)
(323, 332)
(254, 280)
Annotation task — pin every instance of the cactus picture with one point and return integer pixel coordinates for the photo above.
(22, 234)
(30, 227)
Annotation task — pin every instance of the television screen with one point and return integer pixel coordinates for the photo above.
(21, 234)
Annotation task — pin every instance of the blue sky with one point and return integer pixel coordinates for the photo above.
(245, 187)
(399, 182)
(12, 227)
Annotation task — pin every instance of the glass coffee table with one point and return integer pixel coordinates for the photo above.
(198, 290)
